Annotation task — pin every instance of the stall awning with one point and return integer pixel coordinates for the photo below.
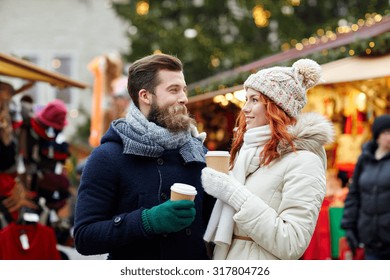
(19, 68)
(348, 69)
(355, 69)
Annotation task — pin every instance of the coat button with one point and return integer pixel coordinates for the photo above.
(117, 220)
(188, 231)
(160, 161)
(164, 196)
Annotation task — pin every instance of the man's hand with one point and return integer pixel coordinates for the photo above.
(170, 216)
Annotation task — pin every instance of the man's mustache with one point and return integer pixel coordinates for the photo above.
(178, 109)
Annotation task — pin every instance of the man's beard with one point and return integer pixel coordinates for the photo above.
(175, 118)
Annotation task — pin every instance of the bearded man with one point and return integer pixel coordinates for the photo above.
(123, 206)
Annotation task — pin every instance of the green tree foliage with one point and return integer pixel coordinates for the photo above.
(227, 35)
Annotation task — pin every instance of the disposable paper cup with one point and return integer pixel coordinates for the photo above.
(218, 160)
(181, 191)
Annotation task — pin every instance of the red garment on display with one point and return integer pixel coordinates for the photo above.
(360, 119)
(345, 252)
(7, 183)
(16, 125)
(38, 129)
(41, 240)
(319, 247)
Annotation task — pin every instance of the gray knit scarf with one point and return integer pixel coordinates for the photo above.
(144, 138)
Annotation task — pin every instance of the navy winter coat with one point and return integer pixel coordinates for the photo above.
(367, 207)
(116, 187)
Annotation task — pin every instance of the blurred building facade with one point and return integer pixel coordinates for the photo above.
(62, 36)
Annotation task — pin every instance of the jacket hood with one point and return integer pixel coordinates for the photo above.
(111, 136)
(311, 132)
(369, 148)
(368, 151)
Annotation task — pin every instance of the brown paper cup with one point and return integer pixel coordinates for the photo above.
(181, 191)
(218, 160)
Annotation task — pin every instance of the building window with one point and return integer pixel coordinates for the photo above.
(33, 91)
(63, 65)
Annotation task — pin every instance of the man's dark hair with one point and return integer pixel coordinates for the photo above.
(143, 73)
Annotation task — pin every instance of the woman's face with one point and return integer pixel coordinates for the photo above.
(384, 139)
(254, 110)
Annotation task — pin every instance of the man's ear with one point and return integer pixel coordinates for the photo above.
(144, 96)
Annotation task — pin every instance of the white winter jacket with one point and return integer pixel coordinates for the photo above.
(282, 213)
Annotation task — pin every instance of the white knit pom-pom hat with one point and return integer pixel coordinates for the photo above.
(287, 86)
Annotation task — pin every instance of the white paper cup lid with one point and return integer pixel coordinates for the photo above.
(183, 189)
(218, 153)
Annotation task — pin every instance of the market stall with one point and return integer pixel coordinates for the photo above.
(33, 165)
(353, 92)
(18, 68)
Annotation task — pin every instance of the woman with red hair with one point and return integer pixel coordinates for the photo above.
(268, 205)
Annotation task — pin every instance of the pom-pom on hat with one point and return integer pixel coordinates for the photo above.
(380, 124)
(287, 86)
(53, 114)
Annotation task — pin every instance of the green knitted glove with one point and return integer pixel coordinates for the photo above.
(170, 216)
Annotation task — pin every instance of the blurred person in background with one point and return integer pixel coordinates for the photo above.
(123, 206)
(277, 182)
(121, 103)
(366, 217)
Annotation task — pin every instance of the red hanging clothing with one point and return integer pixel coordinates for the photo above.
(7, 183)
(41, 243)
(320, 246)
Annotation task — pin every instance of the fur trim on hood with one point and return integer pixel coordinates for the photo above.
(312, 131)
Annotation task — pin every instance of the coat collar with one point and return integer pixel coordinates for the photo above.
(311, 132)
